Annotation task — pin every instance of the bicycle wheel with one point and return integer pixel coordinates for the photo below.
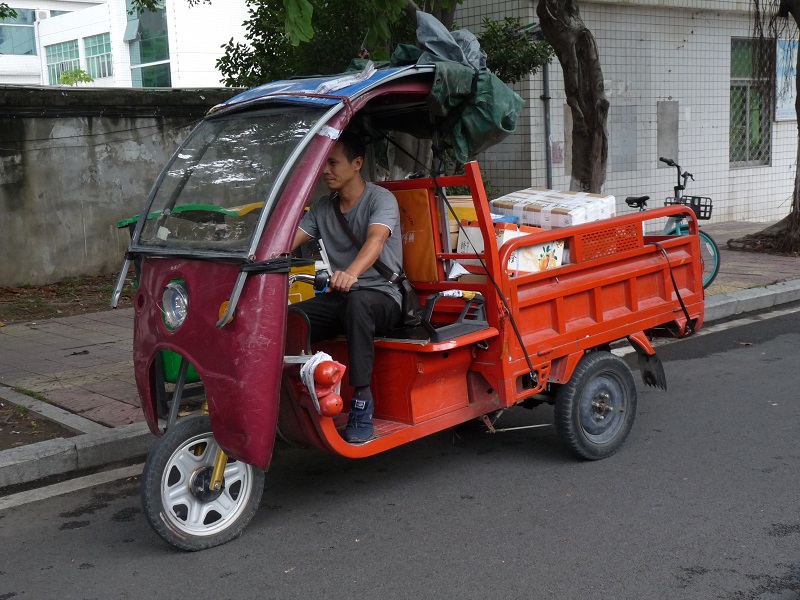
(710, 255)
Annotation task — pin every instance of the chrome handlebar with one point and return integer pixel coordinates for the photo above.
(320, 280)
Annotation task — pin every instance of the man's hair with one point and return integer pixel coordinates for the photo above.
(352, 145)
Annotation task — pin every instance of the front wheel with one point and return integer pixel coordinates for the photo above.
(709, 252)
(595, 409)
(176, 496)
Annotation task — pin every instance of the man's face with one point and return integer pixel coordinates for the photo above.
(339, 171)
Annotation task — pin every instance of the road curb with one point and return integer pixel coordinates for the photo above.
(65, 455)
(97, 445)
(743, 301)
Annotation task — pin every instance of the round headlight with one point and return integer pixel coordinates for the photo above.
(175, 304)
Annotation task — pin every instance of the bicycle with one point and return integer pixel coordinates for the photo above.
(709, 251)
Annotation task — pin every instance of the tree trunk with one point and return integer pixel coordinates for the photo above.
(445, 14)
(576, 50)
(783, 236)
(792, 7)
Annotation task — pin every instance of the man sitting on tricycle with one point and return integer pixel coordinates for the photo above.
(359, 301)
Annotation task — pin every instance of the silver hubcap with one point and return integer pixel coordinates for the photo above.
(189, 505)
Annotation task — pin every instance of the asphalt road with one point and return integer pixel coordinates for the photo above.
(702, 502)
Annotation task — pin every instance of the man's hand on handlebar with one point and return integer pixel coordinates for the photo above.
(342, 281)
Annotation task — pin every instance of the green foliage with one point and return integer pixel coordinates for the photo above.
(75, 76)
(511, 53)
(6, 12)
(270, 53)
(298, 21)
(347, 29)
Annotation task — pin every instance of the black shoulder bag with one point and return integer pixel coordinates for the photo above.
(411, 308)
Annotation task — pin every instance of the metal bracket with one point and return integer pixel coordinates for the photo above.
(488, 423)
(177, 394)
(297, 360)
(120, 282)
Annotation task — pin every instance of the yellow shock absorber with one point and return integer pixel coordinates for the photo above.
(218, 474)
(220, 462)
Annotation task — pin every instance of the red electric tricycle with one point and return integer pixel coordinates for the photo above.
(215, 282)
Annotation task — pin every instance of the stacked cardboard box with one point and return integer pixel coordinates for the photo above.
(551, 209)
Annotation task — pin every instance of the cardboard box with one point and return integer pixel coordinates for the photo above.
(530, 259)
(551, 209)
(464, 207)
(539, 257)
(465, 211)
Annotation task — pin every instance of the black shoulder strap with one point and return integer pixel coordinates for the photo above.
(381, 268)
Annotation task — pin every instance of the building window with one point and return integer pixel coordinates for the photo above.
(98, 55)
(149, 47)
(751, 109)
(152, 76)
(17, 34)
(62, 57)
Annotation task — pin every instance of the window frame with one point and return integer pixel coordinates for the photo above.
(141, 67)
(14, 22)
(752, 87)
(58, 67)
(99, 65)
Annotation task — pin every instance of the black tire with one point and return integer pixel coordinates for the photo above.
(709, 252)
(176, 498)
(595, 409)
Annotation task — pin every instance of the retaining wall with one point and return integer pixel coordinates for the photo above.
(73, 162)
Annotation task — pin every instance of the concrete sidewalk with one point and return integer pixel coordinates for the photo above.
(83, 366)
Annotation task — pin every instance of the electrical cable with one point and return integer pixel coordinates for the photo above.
(191, 123)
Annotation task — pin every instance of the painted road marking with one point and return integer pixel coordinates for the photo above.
(73, 485)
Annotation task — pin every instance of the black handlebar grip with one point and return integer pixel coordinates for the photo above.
(667, 161)
(321, 280)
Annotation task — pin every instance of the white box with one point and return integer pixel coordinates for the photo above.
(551, 209)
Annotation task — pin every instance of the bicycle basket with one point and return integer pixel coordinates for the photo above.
(700, 205)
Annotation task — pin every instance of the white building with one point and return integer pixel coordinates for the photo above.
(678, 78)
(176, 46)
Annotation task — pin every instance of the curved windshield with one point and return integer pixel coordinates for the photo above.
(213, 193)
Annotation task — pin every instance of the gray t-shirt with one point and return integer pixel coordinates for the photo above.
(376, 206)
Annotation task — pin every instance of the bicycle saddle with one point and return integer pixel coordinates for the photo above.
(637, 201)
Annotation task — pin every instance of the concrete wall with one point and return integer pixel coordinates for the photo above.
(75, 162)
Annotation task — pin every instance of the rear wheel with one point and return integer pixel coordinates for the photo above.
(710, 255)
(177, 499)
(595, 409)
